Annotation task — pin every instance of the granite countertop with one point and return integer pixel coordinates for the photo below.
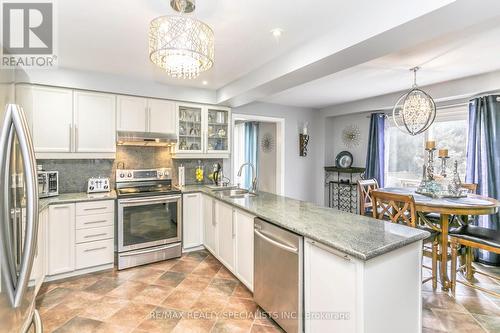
(359, 236)
(74, 197)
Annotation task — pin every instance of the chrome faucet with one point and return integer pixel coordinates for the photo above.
(254, 173)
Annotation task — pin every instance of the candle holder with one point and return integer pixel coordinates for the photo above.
(430, 163)
(303, 141)
(443, 165)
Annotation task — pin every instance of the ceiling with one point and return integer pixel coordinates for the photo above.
(330, 52)
(468, 52)
(112, 37)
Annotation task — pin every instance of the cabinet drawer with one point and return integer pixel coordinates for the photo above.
(95, 207)
(94, 234)
(95, 221)
(94, 253)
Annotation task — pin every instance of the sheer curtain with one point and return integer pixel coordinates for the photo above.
(483, 158)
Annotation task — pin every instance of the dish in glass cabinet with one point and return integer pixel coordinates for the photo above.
(221, 133)
(344, 159)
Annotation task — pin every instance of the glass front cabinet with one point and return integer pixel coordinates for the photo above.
(203, 131)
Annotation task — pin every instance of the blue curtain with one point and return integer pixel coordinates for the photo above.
(376, 150)
(251, 150)
(483, 159)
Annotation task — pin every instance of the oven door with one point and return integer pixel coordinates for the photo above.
(149, 221)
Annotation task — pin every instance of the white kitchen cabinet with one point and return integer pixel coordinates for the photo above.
(244, 224)
(50, 113)
(203, 131)
(162, 116)
(218, 131)
(39, 268)
(61, 239)
(138, 114)
(362, 296)
(131, 114)
(209, 225)
(79, 236)
(94, 253)
(67, 123)
(226, 234)
(95, 123)
(192, 235)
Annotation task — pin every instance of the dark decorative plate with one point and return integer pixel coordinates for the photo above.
(344, 159)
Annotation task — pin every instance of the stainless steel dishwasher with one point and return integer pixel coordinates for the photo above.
(278, 274)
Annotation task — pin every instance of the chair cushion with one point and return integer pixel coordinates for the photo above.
(478, 235)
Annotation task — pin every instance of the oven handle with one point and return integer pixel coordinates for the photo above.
(171, 198)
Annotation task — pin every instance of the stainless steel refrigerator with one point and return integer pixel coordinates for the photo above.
(20, 278)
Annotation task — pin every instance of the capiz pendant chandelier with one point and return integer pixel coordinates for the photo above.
(415, 111)
(179, 44)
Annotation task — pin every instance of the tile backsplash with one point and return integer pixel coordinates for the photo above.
(74, 173)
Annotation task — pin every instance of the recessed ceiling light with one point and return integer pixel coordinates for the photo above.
(277, 32)
(204, 83)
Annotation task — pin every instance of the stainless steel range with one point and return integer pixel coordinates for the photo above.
(149, 217)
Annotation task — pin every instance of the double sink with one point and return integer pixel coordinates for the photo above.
(234, 193)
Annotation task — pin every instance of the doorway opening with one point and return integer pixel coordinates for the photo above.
(259, 140)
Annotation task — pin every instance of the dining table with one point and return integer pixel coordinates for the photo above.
(472, 204)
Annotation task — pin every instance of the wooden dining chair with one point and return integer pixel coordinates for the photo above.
(365, 186)
(401, 209)
(472, 237)
(471, 187)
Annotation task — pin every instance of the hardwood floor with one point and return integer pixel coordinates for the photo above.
(197, 294)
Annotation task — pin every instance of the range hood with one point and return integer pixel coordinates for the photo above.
(148, 139)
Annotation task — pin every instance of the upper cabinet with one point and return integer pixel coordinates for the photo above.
(162, 116)
(94, 122)
(51, 117)
(217, 131)
(131, 113)
(137, 114)
(203, 131)
(190, 129)
(67, 123)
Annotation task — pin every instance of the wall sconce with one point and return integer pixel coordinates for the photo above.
(303, 140)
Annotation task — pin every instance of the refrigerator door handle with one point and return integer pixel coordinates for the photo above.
(6, 255)
(16, 117)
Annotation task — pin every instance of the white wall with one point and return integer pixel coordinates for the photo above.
(333, 137)
(118, 84)
(267, 160)
(301, 180)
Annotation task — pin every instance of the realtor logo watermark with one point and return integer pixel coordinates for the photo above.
(28, 30)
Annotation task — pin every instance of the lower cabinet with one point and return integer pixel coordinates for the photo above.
(226, 234)
(39, 269)
(329, 274)
(348, 295)
(209, 225)
(61, 239)
(79, 236)
(192, 234)
(88, 254)
(244, 247)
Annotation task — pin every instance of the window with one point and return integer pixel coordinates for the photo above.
(405, 154)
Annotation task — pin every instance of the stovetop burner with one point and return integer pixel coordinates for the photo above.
(139, 183)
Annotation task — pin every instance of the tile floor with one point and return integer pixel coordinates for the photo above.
(196, 294)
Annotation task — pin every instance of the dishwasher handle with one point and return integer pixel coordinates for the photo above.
(276, 243)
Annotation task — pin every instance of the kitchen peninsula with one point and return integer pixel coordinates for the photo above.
(355, 268)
